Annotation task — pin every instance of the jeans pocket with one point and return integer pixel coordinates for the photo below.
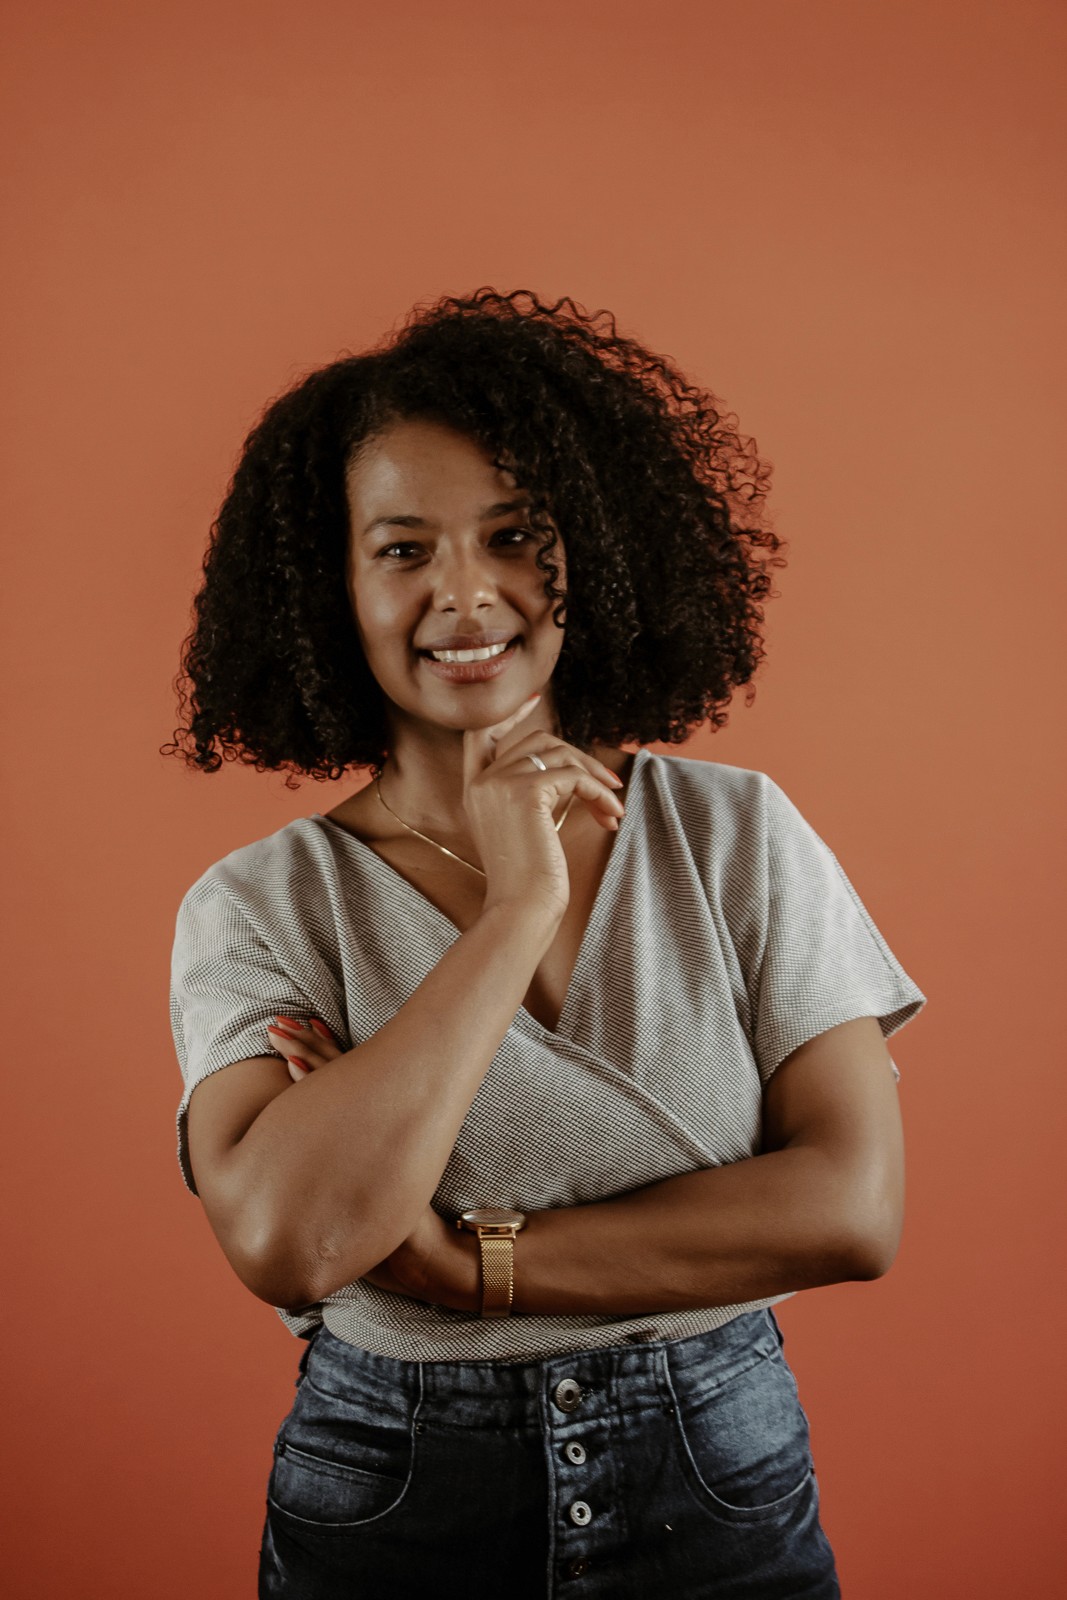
(339, 1465)
(744, 1442)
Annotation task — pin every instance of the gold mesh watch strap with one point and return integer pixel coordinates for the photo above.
(498, 1273)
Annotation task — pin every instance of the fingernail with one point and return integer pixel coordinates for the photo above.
(320, 1027)
(295, 1061)
(616, 780)
(280, 1032)
(289, 1022)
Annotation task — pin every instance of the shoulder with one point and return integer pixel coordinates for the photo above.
(284, 862)
(731, 802)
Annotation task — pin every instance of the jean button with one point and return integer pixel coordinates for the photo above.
(574, 1452)
(568, 1395)
(576, 1568)
(580, 1514)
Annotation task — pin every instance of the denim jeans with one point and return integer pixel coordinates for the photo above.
(676, 1468)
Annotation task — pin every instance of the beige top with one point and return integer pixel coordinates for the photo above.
(724, 934)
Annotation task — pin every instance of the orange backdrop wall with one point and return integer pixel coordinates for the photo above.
(845, 219)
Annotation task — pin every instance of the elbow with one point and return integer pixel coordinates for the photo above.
(275, 1278)
(283, 1259)
(871, 1240)
(291, 1270)
(871, 1257)
(276, 1269)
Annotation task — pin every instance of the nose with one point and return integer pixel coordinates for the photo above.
(463, 583)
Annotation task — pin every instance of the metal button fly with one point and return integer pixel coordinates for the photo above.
(568, 1395)
(576, 1568)
(574, 1452)
(580, 1514)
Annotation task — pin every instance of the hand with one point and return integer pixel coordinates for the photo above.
(305, 1045)
(510, 803)
(434, 1263)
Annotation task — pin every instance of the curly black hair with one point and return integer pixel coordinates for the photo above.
(659, 500)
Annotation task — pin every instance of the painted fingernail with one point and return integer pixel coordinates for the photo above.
(295, 1061)
(289, 1022)
(280, 1032)
(320, 1027)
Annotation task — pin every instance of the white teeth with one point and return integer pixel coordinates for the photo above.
(470, 655)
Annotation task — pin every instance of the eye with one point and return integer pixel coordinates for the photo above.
(400, 549)
(523, 534)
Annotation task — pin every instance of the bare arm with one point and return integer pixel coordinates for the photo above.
(825, 1206)
(309, 1185)
(334, 1172)
(822, 1204)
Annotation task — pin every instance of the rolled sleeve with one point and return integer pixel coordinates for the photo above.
(822, 960)
(225, 985)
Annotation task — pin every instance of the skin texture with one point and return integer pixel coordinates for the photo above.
(412, 586)
(823, 1202)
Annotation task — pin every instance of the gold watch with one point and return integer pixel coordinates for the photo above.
(496, 1227)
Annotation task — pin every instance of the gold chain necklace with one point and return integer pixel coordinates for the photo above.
(444, 848)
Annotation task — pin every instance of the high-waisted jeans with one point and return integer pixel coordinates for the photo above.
(677, 1468)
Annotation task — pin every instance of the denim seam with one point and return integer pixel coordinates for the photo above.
(708, 1499)
(360, 1522)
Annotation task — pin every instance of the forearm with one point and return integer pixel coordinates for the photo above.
(720, 1236)
(335, 1172)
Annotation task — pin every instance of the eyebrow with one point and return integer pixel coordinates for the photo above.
(500, 509)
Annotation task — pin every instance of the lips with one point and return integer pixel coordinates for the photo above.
(471, 671)
(466, 641)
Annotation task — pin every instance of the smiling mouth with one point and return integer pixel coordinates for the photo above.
(485, 654)
(471, 666)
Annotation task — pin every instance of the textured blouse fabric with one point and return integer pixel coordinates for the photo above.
(724, 934)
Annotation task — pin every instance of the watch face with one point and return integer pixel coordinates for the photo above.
(494, 1216)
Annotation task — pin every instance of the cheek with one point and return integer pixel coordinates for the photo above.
(381, 619)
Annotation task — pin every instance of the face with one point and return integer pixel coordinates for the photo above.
(441, 561)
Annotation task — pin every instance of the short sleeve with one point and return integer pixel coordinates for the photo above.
(822, 961)
(225, 985)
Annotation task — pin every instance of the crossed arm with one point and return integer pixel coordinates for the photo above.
(823, 1203)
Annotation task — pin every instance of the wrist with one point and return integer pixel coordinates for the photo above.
(530, 924)
(496, 1229)
(459, 1281)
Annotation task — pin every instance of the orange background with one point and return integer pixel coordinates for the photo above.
(845, 220)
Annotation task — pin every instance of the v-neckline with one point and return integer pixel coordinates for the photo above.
(611, 870)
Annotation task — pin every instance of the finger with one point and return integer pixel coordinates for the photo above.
(325, 1040)
(314, 1034)
(558, 757)
(559, 782)
(544, 745)
(299, 1069)
(500, 729)
(305, 1046)
(604, 804)
(479, 744)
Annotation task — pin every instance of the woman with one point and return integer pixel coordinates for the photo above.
(551, 1066)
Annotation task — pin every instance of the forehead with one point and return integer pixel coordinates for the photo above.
(425, 465)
